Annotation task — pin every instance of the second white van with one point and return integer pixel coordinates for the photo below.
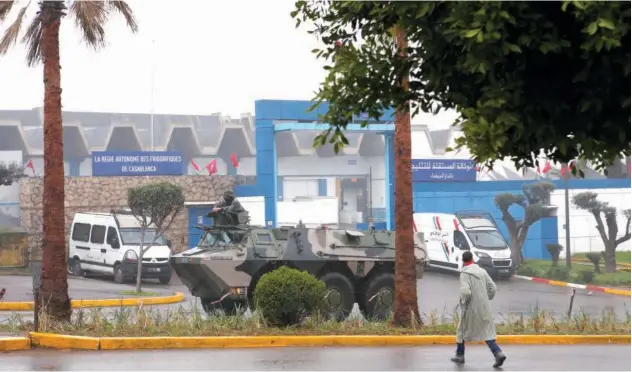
(449, 235)
(108, 244)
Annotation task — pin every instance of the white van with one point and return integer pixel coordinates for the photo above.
(108, 243)
(449, 235)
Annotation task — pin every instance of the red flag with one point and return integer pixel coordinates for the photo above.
(212, 167)
(195, 166)
(30, 165)
(546, 168)
(233, 158)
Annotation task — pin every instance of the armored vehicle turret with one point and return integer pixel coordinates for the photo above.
(356, 266)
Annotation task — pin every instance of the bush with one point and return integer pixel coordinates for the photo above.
(526, 270)
(558, 273)
(284, 296)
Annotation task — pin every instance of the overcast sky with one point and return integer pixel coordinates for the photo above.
(210, 56)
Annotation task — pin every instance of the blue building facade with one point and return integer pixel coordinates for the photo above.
(273, 117)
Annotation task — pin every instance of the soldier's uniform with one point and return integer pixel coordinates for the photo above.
(231, 207)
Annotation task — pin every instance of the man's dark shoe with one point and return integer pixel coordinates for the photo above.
(500, 359)
(458, 359)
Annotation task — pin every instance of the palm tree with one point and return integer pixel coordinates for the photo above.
(406, 305)
(42, 41)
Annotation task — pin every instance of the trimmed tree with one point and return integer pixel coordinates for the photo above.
(588, 201)
(41, 36)
(10, 173)
(155, 206)
(535, 201)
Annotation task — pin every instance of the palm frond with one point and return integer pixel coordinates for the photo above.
(5, 8)
(11, 34)
(124, 9)
(33, 40)
(90, 17)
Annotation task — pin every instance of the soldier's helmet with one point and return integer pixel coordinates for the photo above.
(229, 196)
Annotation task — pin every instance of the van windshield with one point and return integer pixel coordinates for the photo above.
(131, 236)
(487, 239)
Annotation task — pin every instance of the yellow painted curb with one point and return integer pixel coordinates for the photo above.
(14, 343)
(55, 341)
(134, 343)
(621, 292)
(77, 304)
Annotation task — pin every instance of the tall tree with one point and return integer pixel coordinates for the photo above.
(42, 41)
(347, 78)
(589, 201)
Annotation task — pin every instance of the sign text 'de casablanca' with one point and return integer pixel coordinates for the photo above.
(443, 170)
(137, 163)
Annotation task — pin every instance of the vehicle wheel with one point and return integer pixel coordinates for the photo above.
(118, 274)
(76, 268)
(165, 279)
(340, 296)
(379, 297)
(229, 307)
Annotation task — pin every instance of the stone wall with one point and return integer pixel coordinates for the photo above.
(101, 194)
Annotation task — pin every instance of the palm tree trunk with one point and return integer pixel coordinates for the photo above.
(54, 284)
(406, 306)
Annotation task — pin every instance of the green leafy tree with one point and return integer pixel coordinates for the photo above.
(524, 76)
(155, 206)
(589, 201)
(41, 37)
(10, 173)
(535, 201)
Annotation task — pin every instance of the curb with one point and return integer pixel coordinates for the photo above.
(583, 260)
(620, 292)
(77, 304)
(14, 343)
(56, 341)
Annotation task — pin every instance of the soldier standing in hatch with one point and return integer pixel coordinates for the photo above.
(230, 205)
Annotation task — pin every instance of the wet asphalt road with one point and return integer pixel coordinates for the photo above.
(426, 358)
(437, 293)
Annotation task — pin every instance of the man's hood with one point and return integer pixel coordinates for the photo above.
(474, 270)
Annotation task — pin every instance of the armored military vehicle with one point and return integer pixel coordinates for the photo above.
(356, 266)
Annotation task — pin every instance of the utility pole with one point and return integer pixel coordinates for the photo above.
(567, 216)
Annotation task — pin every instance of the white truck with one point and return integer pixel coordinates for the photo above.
(449, 235)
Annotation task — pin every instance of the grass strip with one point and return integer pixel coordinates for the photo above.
(148, 322)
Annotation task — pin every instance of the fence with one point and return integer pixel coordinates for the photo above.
(584, 235)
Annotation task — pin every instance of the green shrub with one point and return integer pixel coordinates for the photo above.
(558, 273)
(526, 270)
(582, 276)
(284, 296)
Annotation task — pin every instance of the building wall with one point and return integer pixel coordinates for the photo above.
(101, 194)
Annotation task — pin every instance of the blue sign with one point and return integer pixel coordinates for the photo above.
(443, 170)
(137, 163)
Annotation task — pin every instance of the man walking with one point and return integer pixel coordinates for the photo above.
(477, 320)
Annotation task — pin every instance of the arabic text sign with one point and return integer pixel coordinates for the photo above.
(443, 170)
(137, 163)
